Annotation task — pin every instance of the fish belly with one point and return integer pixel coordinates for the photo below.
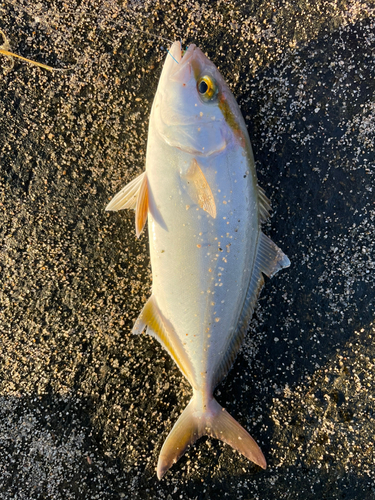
(201, 266)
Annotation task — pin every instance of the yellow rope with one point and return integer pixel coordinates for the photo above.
(11, 54)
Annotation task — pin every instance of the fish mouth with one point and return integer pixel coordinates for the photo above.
(182, 119)
(175, 51)
(179, 64)
(176, 64)
(188, 53)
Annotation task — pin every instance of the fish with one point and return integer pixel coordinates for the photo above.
(200, 196)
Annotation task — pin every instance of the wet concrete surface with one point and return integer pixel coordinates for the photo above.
(85, 407)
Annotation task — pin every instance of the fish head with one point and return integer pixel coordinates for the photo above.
(194, 109)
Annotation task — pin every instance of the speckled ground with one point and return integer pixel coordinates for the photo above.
(85, 407)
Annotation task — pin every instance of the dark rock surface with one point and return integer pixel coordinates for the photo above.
(84, 406)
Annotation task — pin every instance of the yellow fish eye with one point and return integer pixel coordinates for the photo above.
(206, 87)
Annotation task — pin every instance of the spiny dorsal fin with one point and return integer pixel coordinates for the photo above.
(264, 205)
(127, 197)
(199, 189)
(160, 328)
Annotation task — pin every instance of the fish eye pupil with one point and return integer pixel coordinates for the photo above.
(202, 87)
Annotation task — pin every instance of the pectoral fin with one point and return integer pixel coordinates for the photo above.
(199, 189)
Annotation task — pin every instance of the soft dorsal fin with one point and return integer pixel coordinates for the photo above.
(269, 260)
(199, 189)
(160, 328)
(127, 197)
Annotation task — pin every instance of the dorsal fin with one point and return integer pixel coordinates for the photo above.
(269, 260)
(264, 205)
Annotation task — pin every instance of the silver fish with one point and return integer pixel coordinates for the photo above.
(208, 253)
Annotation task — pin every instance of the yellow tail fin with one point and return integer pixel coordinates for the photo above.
(208, 419)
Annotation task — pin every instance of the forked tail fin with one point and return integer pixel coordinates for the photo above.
(206, 420)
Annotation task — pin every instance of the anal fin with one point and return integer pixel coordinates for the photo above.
(160, 328)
